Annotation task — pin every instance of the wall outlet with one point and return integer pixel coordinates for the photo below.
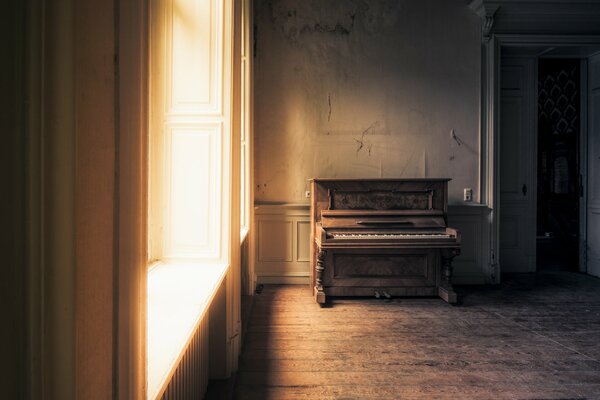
(307, 194)
(468, 194)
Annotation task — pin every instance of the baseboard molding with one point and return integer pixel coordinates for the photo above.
(469, 280)
(282, 280)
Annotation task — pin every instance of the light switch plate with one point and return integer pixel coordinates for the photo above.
(468, 194)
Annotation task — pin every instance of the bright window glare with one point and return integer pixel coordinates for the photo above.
(178, 297)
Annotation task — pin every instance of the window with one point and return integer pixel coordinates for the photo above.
(245, 117)
(190, 132)
(193, 209)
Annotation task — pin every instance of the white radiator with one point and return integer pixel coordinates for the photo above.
(190, 379)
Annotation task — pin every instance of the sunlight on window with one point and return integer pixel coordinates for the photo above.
(190, 158)
(189, 130)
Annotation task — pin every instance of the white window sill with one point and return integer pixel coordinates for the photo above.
(179, 296)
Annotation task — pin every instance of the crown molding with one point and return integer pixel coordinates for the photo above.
(510, 16)
(486, 11)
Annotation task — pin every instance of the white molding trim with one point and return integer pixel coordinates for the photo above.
(571, 16)
(490, 133)
(282, 280)
(486, 12)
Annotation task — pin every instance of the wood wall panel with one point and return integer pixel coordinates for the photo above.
(194, 57)
(275, 240)
(282, 238)
(593, 169)
(193, 176)
(95, 208)
(509, 231)
(471, 267)
(510, 182)
(303, 245)
(593, 236)
(594, 146)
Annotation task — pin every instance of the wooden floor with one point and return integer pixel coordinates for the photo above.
(535, 337)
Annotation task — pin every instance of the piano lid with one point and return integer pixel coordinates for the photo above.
(395, 198)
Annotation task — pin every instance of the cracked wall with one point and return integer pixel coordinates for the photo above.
(365, 89)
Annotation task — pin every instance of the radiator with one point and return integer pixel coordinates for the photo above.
(190, 379)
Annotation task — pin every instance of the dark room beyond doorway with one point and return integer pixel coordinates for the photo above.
(558, 179)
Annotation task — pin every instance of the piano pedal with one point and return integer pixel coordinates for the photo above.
(387, 295)
(377, 295)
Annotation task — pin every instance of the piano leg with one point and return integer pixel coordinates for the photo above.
(319, 293)
(445, 290)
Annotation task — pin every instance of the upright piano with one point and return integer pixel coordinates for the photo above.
(381, 237)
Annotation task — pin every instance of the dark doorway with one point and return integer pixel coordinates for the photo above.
(558, 187)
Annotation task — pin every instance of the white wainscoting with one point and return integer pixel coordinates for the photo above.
(282, 233)
(471, 267)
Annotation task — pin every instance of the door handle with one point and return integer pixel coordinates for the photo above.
(524, 190)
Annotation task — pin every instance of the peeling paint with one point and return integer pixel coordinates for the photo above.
(297, 18)
(327, 69)
(361, 142)
(456, 138)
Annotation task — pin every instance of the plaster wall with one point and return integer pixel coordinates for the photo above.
(365, 88)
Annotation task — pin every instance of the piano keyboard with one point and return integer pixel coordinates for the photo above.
(390, 235)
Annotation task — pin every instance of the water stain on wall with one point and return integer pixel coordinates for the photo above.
(296, 18)
(365, 88)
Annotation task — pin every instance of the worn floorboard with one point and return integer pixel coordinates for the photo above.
(535, 337)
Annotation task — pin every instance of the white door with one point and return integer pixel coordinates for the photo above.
(518, 164)
(593, 170)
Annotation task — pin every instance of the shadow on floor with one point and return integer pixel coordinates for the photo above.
(535, 336)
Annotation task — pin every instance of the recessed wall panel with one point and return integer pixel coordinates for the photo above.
(282, 244)
(594, 149)
(303, 241)
(194, 57)
(593, 238)
(193, 173)
(509, 232)
(275, 240)
(509, 145)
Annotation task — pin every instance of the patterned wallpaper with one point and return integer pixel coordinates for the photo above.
(558, 100)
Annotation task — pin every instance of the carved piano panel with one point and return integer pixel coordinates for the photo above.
(381, 236)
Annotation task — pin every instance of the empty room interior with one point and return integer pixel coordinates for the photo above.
(301, 199)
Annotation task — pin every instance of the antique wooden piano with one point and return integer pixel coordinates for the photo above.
(382, 237)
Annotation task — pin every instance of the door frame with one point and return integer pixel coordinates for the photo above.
(490, 123)
(583, 163)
